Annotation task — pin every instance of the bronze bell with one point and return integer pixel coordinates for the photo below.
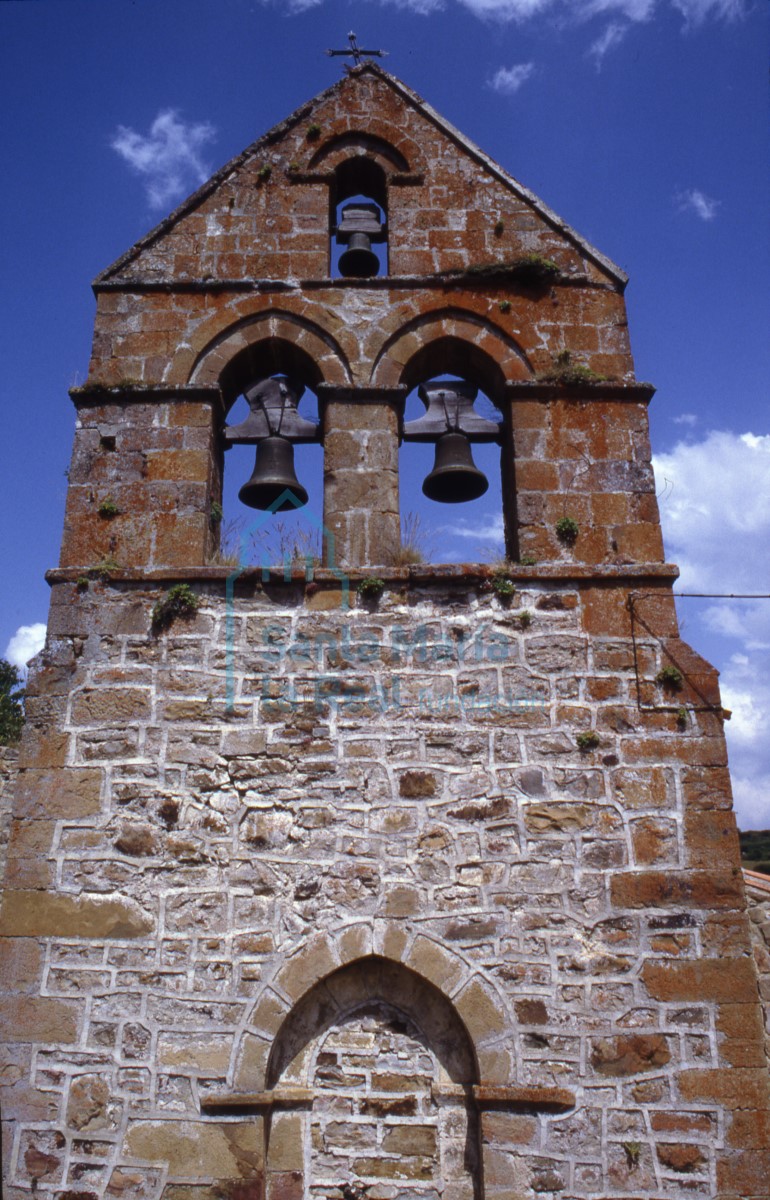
(455, 477)
(273, 474)
(359, 260)
(359, 225)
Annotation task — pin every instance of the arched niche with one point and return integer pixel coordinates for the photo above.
(360, 982)
(388, 1067)
(359, 183)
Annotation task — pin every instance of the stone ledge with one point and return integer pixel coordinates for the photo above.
(462, 574)
(137, 393)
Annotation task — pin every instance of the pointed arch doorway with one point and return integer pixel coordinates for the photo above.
(388, 1069)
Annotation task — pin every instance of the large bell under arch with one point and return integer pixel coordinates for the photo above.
(450, 456)
(272, 482)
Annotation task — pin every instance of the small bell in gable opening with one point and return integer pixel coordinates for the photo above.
(359, 227)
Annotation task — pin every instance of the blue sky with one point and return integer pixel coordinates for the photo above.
(642, 122)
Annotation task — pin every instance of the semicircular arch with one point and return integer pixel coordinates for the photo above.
(270, 343)
(450, 341)
(391, 146)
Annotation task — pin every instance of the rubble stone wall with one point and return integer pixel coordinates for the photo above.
(758, 897)
(8, 760)
(242, 851)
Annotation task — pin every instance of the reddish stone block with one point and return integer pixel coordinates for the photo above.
(732, 980)
(669, 889)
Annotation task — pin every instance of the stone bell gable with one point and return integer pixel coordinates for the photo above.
(265, 215)
(481, 279)
(358, 880)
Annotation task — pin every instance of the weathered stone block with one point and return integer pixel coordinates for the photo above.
(198, 1149)
(37, 914)
(68, 793)
(630, 1054)
(721, 980)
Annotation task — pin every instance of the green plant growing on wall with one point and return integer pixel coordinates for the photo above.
(11, 707)
(567, 530)
(313, 132)
(215, 513)
(528, 560)
(371, 587)
(104, 569)
(81, 583)
(682, 717)
(179, 601)
(264, 172)
(525, 619)
(414, 548)
(568, 372)
(670, 679)
(535, 269)
(589, 740)
(503, 586)
(504, 306)
(633, 1153)
(108, 508)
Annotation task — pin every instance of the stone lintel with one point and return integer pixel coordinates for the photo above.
(285, 1097)
(524, 1099)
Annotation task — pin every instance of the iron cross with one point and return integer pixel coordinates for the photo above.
(355, 52)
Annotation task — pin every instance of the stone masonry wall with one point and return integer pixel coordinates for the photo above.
(758, 897)
(402, 780)
(8, 761)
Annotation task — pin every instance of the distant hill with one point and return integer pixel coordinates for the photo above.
(755, 850)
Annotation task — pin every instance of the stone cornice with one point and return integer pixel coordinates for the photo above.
(95, 394)
(424, 575)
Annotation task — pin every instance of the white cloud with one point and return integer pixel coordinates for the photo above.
(695, 201)
(693, 11)
(716, 524)
(507, 10)
(686, 419)
(491, 529)
(612, 37)
(745, 687)
(634, 10)
(696, 11)
(486, 535)
(27, 641)
(509, 79)
(168, 158)
(716, 513)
